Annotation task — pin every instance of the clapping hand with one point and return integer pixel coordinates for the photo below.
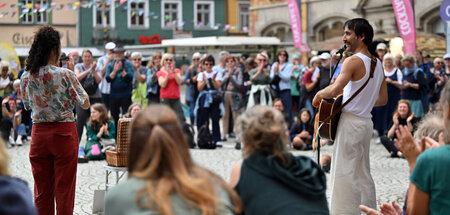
(69, 64)
(408, 146)
(410, 118)
(395, 119)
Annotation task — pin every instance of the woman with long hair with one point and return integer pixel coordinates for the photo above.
(101, 133)
(163, 178)
(84, 71)
(133, 110)
(402, 116)
(302, 131)
(169, 79)
(51, 93)
(153, 89)
(270, 180)
(282, 70)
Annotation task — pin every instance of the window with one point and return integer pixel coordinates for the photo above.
(171, 12)
(33, 12)
(138, 14)
(244, 16)
(104, 15)
(204, 14)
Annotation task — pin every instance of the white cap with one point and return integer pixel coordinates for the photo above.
(313, 59)
(325, 56)
(447, 56)
(110, 46)
(381, 46)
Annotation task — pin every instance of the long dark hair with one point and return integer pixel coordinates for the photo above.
(299, 119)
(45, 40)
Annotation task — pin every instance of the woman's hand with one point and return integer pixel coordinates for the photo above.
(410, 117)
(395, 119)
(406, 144)
(70, 64)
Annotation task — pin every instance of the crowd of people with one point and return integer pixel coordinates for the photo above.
(268, 107)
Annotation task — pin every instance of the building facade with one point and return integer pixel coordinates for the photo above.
(238, 16)
(325, 19)
(20, 19)
(137, 22)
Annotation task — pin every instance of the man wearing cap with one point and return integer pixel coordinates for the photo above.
(119, 73)
(381, 51)
(325, 75)
(102, 63)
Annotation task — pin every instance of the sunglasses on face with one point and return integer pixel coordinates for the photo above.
(208, 64)
(169, 60)
(137, 59)
(282, 55)
(196, 59)
(262, 60)
(440, 62)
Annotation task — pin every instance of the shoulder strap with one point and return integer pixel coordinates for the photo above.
(372, 69)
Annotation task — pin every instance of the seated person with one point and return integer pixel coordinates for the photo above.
(278, 104)
(163, 178)
(402, 116)
(133, 110)
(11, 122)
(270, 180)
(101, 134)
(302, 131)
(15, 196)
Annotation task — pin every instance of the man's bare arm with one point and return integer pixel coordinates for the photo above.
(382, 95)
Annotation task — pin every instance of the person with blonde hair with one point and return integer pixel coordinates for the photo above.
(169, 80)
(270, 180)
(6, 79)
(133, 110)
(191, 82)
(15, 196)
(163, 178)
(260, 80)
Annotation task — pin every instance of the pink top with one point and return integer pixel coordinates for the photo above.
(172, 89)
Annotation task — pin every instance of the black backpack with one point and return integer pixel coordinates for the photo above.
(204, 138)
(189, 132)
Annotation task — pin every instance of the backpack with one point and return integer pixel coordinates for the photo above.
(204, 138)
(189, 132)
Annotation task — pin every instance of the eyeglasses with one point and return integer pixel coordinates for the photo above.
(262, 59)
(195, 59)
(282, 55)
(137, 59)
(440, 62)
(169, 60)
(208, 64)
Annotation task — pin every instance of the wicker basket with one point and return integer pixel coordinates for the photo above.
(120, 156)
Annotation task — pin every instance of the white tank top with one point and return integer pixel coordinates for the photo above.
(363, 103)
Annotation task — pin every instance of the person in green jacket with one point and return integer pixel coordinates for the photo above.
(271, 180)
(101, 134)
(163, 178)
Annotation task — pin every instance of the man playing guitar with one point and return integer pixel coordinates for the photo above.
(351, 181)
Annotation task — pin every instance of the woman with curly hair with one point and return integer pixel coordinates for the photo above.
(51, 93)
(163, 178)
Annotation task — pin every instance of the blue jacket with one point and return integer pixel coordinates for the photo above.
(15, 197)
(121, 87)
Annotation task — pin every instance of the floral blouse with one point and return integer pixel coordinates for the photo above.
(51, 94)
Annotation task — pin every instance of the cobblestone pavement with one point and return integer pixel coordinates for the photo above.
(390, 174)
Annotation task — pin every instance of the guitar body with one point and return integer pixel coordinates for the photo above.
(327, 108)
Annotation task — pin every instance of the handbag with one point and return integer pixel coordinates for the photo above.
(89, 84)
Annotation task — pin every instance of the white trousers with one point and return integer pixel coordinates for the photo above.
(351, 181)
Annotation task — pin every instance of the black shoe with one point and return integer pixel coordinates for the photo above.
(223, 139)
(232, 135)
(83, 159)
(237, 146)
(326, 167)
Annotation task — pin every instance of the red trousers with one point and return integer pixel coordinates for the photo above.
(53, 158)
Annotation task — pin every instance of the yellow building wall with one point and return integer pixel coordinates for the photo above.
(232, 15)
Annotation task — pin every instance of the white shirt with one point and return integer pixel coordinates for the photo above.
(363, 103)
(208, 76)
(399, 74)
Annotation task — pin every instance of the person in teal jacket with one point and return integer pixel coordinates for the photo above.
(101, 134)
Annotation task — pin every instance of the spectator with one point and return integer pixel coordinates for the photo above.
(381, 51)
(428, 191)
(221, 67)
(15, 195)
(302, 131)
(209, 103)
(278, 105)
(270, 180)
(325, 71)
(139, 92)
(120, 74)
(54, 141)
(169, 79)
(402, 116)
(231, 86)
(133, 110)
(242, 59)
(443, 78)
(167, 183)
(89, 78)
(436, 71)
(101, 133)
(102, 64)
(260, 80)
(398, 61)
(309, 85)
(421, 64)
(191, 81)
(282, 70)
(414, 80)
(296, 71)
(74, 57)
(382, 116)
(11, 123)
(153, 89)
(6, 79)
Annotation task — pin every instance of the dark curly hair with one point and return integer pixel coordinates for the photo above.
(45, 40)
